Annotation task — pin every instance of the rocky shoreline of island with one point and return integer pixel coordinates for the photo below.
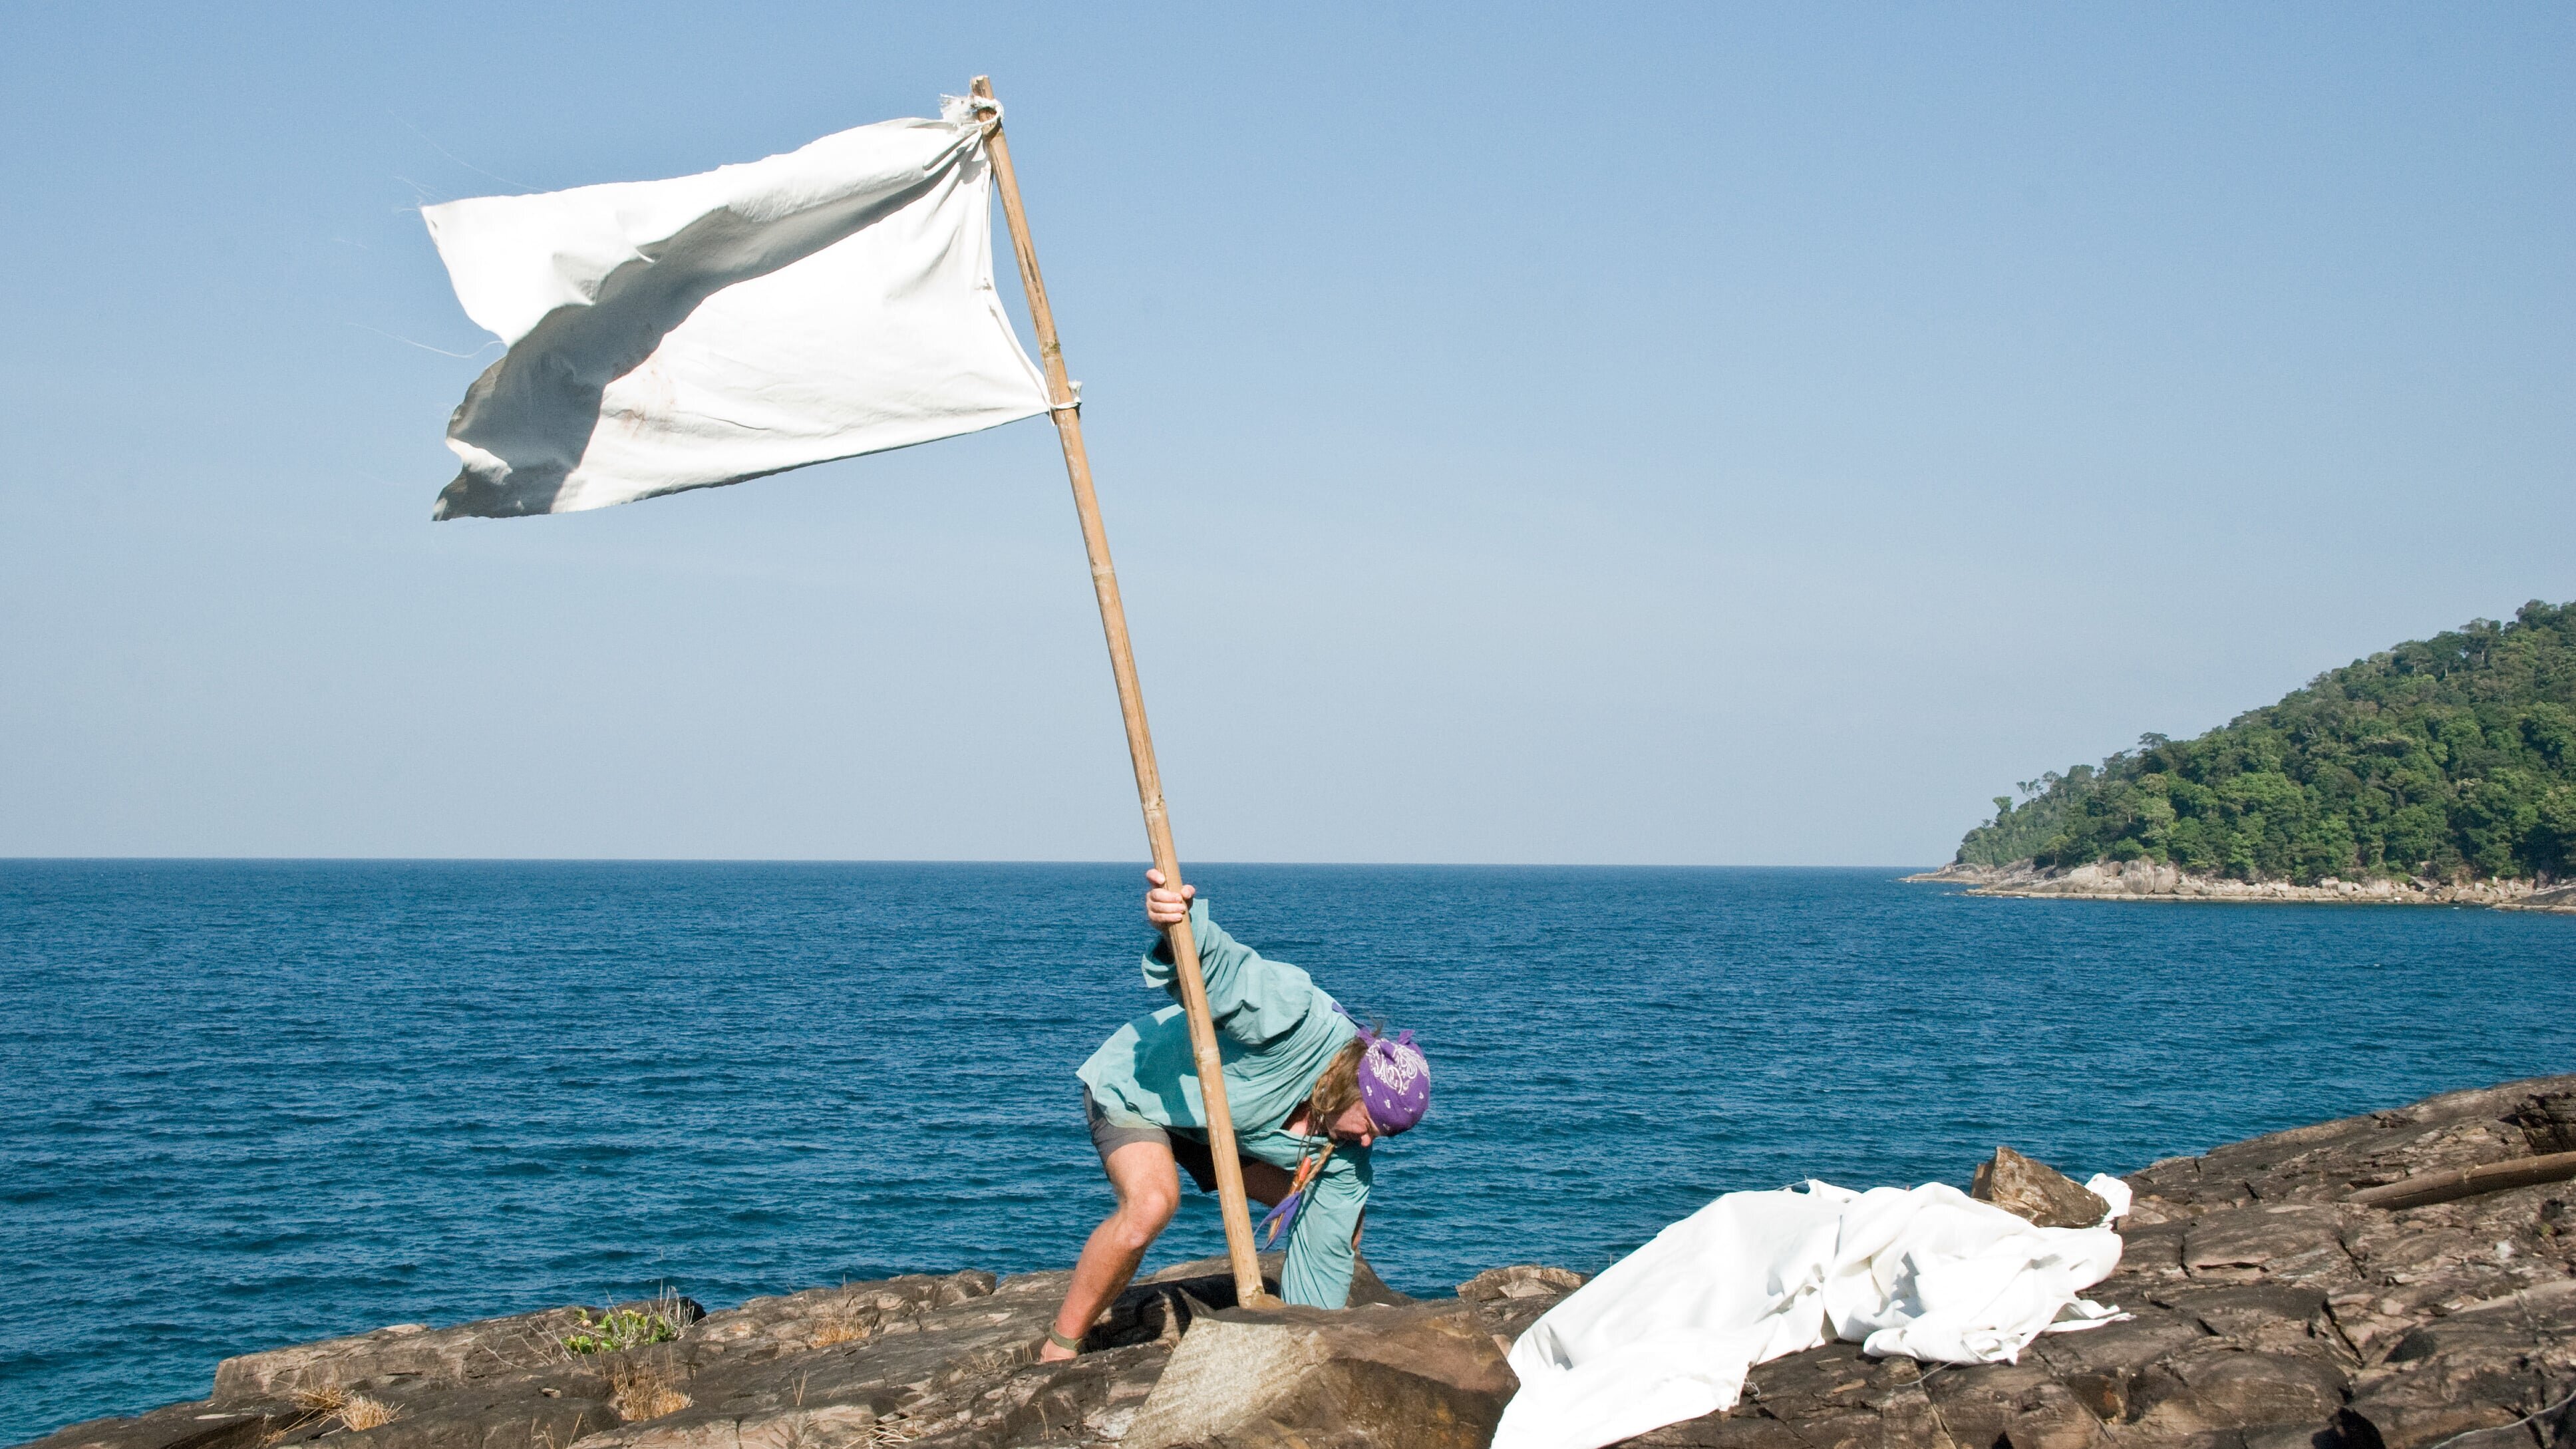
(2394, 1280)
(2146, 880)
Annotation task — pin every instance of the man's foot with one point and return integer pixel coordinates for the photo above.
(1058, 1348)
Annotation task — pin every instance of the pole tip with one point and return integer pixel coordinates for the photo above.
(982, 88)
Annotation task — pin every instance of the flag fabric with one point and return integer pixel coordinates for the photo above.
(667, 335)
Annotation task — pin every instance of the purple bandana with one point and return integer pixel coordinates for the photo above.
(1395, 1083)
(1395, 1080)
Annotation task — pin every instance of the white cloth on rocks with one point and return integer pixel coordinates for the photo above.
(1668, 1332)
(663, 335)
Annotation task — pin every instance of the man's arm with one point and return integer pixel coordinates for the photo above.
(1250, 998)
(1322, 1247)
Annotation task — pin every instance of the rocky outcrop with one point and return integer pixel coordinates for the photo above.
(2267, 1310)
(1957, 872)
(2547, 898)
(2036, 1191)
(2147, 880)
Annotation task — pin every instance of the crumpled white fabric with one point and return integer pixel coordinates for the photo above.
(1668, 1332)
(665, 335)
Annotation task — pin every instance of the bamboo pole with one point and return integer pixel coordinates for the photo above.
(1140, 741)
(2427, 1188)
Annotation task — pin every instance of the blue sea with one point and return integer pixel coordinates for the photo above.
(251, 1103)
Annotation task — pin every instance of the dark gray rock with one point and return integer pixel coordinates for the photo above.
(819, 1318)
(2266, 1242)
(2108, 1358)
(198, 1425)
(2022, 1405)
(508, 1411)
(2217, 1386)
(2548, 1121)
(2271, 1317)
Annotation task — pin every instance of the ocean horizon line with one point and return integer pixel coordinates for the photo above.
(819, 860)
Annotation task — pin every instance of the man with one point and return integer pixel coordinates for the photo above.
(1310, 1091)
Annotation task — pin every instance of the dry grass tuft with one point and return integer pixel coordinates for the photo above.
(640, 1391)
(353, 1411)
(323, 1402)
(839, 1330)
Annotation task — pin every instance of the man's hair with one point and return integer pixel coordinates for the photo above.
(1337, 1090)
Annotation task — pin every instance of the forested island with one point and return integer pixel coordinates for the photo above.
(2447, 762)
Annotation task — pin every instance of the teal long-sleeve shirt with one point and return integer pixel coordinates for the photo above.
(1276, 1031)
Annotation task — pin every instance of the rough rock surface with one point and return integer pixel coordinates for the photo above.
(1511, 1299)
(2036, 1191)
(2268, 1313)
(416, 1352)
(1424, 1375)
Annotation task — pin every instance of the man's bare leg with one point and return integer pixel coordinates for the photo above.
(1149, 1192)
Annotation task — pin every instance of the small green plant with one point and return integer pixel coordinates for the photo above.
(619, 1329)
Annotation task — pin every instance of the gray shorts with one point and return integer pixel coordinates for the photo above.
(1111, 1131)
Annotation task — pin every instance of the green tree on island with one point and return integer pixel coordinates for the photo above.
(2445, 758)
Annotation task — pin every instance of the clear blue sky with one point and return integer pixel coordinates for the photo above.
(1716, 435)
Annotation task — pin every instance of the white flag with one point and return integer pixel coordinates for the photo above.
(666, 335)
